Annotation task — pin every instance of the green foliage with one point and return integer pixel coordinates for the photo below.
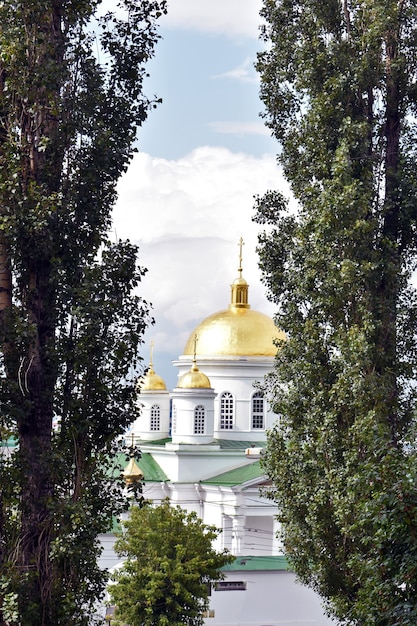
(338, 82)
(71, 322)
(169, 568)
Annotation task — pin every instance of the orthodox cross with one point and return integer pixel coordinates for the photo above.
(151, 355)
(240, 244)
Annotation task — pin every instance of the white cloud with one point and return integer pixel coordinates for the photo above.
(187, 217)
(245, 72)
(233, 18)
(240, 128)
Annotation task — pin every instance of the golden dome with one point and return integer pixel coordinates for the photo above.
(132, 472)
(194, 379)
(238, 330)
(235, 332)
(151, 381)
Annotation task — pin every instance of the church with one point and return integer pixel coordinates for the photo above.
(201, 445)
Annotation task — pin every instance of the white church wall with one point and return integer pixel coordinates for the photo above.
(188, 463)
(155, 492)
(237, 375)
(258, 535)
(271, 598)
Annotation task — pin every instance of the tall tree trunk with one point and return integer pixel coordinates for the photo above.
(37, 369)
(388, 295)
(37, 376)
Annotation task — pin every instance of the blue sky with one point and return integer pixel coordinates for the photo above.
(205, 153)
(210, 97)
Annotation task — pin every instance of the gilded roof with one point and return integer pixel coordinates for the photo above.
(236, 331)
(194, 379)
(152, 382)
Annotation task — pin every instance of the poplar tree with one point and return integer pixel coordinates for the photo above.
(338, 80)
(71, 103)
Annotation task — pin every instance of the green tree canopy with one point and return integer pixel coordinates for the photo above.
(169, 568)
(71, 322)
(340, 90)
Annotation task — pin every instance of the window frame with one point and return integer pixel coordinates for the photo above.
(227, 411)
(155, 418)
(199, 419)
(257, 416)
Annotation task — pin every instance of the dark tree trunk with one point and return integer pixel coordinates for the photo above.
(37, 376)
(37, 371)
(388, 295)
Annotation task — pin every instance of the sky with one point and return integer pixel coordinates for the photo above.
(204, 153)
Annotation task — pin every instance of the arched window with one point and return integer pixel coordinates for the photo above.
(155, 417)
(258, 410)
(199, 420)
(226, 411)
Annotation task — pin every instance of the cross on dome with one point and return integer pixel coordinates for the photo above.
(237, 330)
(240, 286)
(151, 354)
(240, 244)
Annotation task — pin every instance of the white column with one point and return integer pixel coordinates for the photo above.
(238, 531)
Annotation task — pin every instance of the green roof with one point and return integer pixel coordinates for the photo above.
(225, 444)
(152, 472)
(120, 461)
(237, 476)
(252, 563)
(156, 442)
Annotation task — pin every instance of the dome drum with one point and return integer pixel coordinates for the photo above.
(192, 416)
(153, 421)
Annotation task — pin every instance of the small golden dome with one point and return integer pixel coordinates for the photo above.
(152, 382)
(132, 472)
(194, 379)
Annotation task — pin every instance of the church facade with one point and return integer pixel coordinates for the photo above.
(201, 445)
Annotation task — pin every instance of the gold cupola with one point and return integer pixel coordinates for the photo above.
(151, 381)
(132, 473)
(194, 378)
(237, 330)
